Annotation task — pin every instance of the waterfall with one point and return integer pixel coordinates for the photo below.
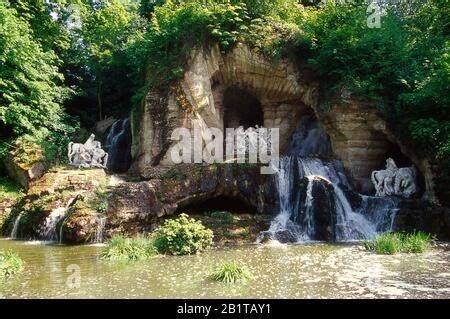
(101, 222)
(15, 229)
(48, 231)
(296, 220)
(118, 146)
(304, 217)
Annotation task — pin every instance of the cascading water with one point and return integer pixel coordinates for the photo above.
(15, 229)
(52, 228)
(118, 146)
(101, 222)
(48, 231)
(298, 217)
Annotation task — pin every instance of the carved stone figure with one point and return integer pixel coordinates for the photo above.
(241, 142)
(74, 149)
(89, 154)
(405, 181)
(99, 158)
(395, 181)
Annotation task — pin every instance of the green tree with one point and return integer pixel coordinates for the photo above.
(31, 87)
(105, 33)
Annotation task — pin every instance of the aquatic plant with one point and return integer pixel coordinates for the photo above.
(392, 243)
(120, 248)
(231, 272)
(10, 264)
(182, 236)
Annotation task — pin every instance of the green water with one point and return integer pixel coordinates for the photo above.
(300, 271)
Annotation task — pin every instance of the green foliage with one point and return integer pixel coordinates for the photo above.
(231, 273)
(176, 28)
(224, 217)
(9, 189)
(31, 87)
(182, 236)
(403, 67)
(120, 248)
(146, 7)
(392, 243)
(10, 264)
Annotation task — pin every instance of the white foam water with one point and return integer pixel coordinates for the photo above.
(15, 229)
(374, 215)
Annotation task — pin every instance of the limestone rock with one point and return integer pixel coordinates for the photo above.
(416, 215)
(359, 134)
(24, 174)
(136, 207)
(56, 189)
(323, 206)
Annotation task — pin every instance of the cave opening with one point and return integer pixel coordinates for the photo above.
(222, 203)
(241, 109)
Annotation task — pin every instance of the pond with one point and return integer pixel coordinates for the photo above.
(279, 271)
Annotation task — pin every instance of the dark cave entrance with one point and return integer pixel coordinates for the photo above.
(230, 204)
(241, 109)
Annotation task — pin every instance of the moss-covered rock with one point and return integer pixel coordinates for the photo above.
(80, 191)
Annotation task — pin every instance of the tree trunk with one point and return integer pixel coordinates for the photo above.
(99, 100)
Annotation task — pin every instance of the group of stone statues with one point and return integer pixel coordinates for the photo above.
(87, 155)
(395, 181)
(252, 139)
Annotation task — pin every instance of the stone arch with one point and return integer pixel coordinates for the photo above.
(358, 133)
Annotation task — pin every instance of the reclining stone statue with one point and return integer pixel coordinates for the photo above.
(395, 181)
(89, 154)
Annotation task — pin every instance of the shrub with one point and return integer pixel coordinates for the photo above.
(182, 236)
(10, 264)
(392, 243)
(231, 272)
(120, 248)
(224, 217)
(9, 188)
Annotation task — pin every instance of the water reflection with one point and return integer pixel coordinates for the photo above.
(302, 271)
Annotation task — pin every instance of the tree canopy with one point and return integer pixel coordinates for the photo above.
(56, 75)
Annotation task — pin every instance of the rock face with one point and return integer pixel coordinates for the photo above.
(6, 205)
(359, 135)
(60, 190)
(416, 215)
(361, 139)
(136, 207)
(25, 175)
(323, 207)
(201, 96)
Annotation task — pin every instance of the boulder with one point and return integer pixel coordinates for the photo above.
(415, 215)
(322, 206)
(24, 174)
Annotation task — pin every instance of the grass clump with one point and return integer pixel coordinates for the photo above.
(224, 217)
(182, 236)
(392, 243)
(120, 248)
(10, 264)
(231, 272)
